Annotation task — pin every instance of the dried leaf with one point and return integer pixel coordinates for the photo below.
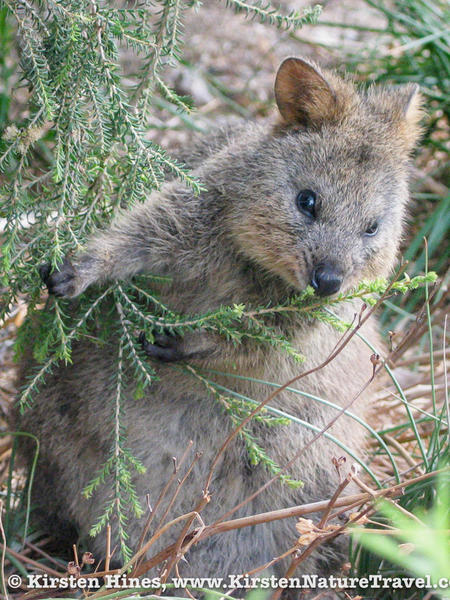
(304, 525)
(307, 538)
(362, 520)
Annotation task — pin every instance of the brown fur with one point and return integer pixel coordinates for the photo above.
(241, 241)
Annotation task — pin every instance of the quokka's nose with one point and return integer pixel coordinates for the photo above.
(326, 279)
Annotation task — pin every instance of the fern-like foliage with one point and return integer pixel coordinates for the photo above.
(266, 13)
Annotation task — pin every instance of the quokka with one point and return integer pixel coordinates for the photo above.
(316, 198)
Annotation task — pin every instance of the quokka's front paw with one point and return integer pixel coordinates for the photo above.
(62, 282)
(165, 347)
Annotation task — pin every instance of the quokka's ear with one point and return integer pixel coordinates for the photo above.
(401, 107)
(303, 95)
(410, 113)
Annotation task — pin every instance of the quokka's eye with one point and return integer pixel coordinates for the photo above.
(306, 202)
(372, 230)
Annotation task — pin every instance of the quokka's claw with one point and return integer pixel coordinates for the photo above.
(164, 349)
(44, 272)
(59, 283)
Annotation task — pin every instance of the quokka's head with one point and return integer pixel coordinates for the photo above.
(320, 199)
